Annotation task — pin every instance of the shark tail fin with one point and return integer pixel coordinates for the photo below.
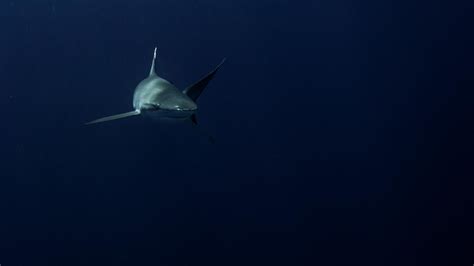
(194, 122)
(194, 119)
(114, 117)
(195, 90)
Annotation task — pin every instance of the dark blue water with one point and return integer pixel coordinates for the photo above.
(343, 134)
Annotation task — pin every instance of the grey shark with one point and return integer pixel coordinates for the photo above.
(157, 97)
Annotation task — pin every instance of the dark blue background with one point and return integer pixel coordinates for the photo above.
(344, 134)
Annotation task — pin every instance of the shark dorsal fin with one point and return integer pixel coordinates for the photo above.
(152, 69)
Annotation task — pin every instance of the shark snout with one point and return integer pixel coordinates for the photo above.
(181, 105)
(190, 107)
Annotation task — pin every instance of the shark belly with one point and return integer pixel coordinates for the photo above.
(169, 115)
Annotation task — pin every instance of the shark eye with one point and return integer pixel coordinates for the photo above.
(150, 106)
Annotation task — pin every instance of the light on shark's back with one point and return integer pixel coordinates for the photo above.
(156, 97)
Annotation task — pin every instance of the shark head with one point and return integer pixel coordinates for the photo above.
(163, 97)
(178, 104)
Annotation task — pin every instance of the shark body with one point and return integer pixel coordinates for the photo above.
(157, 97)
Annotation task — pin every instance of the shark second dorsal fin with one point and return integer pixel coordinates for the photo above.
(152, 69)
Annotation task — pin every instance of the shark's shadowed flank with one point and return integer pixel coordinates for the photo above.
(158, 98)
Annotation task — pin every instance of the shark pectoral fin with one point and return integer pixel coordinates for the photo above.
(114, 117)
(195, 90)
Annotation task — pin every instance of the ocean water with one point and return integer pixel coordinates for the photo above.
(343, 134)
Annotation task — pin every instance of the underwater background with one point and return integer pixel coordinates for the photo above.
(343, 130)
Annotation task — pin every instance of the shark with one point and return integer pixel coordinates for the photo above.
(156, 97)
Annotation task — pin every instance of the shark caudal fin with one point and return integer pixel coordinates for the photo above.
(194, 122)
(195, 90)
(113, 117)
